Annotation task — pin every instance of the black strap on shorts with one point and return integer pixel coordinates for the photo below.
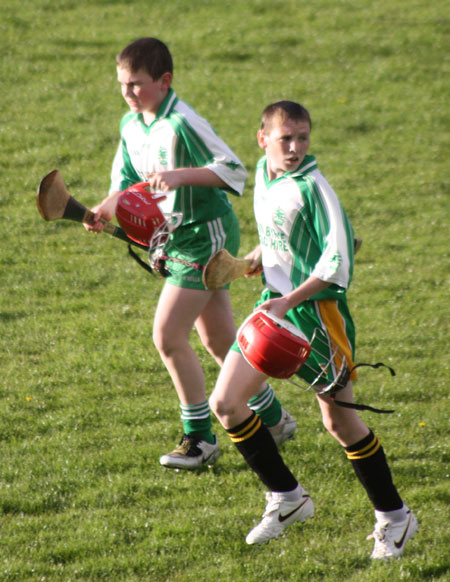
(138, 260)
(365, 406)
(158, 264)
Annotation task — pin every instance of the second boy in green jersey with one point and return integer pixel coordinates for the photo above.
(163, 141)
(306, 255)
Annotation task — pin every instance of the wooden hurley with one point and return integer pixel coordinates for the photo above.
(222, 268)
(54, 202)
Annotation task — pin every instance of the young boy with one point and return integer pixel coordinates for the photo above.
(306, 252)
(166, 143)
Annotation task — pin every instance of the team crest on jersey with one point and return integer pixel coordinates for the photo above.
(279, 216)
(232, 165)
(162, 156)
(336, 261)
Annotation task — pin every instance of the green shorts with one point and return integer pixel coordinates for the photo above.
(331, 321)
(197, 243)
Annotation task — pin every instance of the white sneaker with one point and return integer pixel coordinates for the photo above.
(390, 538)
(191, 453)
(283, 430)
(278, 515)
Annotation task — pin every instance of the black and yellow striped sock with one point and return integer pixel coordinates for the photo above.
(371, 467)
(255, 443)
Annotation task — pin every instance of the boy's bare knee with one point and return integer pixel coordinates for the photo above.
(221, 407)
(332, 426)
(158, 341)
(217, 346)
(346, 429)
(165, 343)
(336, 421)
(215, 404)
(211, 347)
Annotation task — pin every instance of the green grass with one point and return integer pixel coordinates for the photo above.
(86, 405)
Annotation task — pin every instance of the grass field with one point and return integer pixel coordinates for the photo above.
(86, 405)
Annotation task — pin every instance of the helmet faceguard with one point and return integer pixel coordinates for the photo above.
(334, 373)
(139, 214)
(278, 349)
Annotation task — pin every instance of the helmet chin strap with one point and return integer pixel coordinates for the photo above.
(362, 406)
(138, 259)
(158, 262)
(356, 406)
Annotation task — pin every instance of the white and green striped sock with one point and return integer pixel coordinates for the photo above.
(197, 420)
(267, 406)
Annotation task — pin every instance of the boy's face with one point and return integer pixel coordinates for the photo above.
(286, 143)
(141, 92)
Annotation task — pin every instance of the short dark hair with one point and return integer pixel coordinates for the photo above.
(284, 110)
(149, 54)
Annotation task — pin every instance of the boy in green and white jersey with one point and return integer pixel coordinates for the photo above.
(165, 142)
(306, 257)
(303, 230)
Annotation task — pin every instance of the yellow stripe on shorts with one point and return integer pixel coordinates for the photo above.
(335, 325)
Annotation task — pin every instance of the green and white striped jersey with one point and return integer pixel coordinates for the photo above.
(303, 230)
(177, 138)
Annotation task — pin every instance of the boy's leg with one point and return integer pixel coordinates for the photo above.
(288, 502)
(215, 325)
(279, 422)
(395, 523)
(217, 331)
(177, 310)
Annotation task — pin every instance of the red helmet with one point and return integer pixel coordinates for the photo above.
(139, 214)
(272, 345)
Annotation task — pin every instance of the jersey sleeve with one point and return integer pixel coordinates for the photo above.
(123, 173)
(335, 235)
(231, 171)
(209, 150)
(116, 174)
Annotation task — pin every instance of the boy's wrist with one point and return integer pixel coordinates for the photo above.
(310, 287)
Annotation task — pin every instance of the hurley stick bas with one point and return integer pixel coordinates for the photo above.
(54, 202)
(222, 268)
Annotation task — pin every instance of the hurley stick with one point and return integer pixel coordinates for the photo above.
(54, 202)
(222, 268)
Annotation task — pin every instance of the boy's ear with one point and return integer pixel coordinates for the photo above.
(166, 80)
(261, 137)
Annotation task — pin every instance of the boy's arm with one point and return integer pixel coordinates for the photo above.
(106, 209)
(334, 233)
(281, 305)
(256, 265)
(173, 179)
(163, 182)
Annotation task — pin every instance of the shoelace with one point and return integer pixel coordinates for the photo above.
(187, 445)
(379, 533)
(273, 506)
